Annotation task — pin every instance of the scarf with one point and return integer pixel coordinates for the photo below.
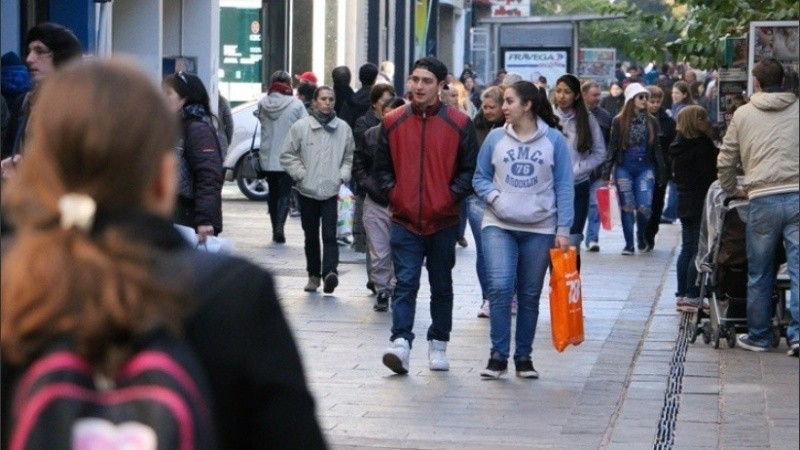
(324, 119)
(278, 86)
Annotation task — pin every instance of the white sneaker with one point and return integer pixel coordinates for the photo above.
(396, 356)
(437, 355)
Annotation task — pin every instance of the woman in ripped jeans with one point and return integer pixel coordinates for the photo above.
(635, 157)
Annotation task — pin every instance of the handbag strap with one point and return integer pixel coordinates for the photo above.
(255, 130)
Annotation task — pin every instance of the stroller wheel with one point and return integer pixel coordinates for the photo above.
(731, 339)
(715, 338)
(693, 333)
(706, 332)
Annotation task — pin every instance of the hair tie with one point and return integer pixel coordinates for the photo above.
(77, 210)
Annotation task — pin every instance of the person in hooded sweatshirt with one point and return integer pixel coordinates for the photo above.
(277, 112)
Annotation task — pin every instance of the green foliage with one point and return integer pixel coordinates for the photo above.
(693, 30)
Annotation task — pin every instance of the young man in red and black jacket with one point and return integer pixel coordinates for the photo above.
(423, 166)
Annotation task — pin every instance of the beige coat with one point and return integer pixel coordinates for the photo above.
(318, 160)
(763, 139)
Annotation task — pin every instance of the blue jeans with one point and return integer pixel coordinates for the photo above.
(475, 210)
(769, 220)
(515, 261)
(685, 267)
(438, 251)
(593, 216)
(581, 209)
(635, 184)
(671, 211)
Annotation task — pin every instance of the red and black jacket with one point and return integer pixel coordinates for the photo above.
(424, 165)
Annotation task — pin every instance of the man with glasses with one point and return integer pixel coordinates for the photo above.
(47, 46)
(424, 165)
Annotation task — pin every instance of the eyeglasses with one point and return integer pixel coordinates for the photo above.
(40, 51)
(424, 80)
(641, 97)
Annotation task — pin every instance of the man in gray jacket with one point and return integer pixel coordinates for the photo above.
(318, 155)
(763, 138)
(277, 112)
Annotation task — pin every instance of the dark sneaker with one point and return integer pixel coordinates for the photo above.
(278, 238)
(371, 287)
(627, 251)
(641, 245)
(525, 368)
(744, 342)
(330, 283)
(794, 349)
(593, 246)
(382, 301)
(496, 367)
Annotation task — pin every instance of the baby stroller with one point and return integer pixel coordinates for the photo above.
(722, 269)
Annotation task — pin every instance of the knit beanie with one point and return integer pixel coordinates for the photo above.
(60, 40)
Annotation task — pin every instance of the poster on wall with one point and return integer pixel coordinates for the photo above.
(779, 40)
(597, 64)
(731, 92)
(550, 63)
(241, 51)
(425, 28)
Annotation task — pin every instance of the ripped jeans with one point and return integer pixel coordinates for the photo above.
(635, 184)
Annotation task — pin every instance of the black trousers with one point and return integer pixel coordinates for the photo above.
(314, 213)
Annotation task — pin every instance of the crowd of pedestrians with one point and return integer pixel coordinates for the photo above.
(518, 163)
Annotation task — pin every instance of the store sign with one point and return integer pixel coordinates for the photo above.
(511, 8)
(240, 69)
(597, 64)
(531, 64)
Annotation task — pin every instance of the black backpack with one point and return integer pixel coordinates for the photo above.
(158, 399)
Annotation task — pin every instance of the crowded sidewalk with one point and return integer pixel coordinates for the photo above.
(635, 382)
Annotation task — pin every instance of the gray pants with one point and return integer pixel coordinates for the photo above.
(378, 226)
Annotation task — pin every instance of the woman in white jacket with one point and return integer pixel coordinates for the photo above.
(318, 155)
(586, 147)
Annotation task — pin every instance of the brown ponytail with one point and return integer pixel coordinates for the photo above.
(99, 128)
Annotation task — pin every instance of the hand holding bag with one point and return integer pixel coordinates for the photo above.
(566, 303)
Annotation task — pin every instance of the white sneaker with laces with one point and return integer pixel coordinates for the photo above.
(396, 356)
(437, 355)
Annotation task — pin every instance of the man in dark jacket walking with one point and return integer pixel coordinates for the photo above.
(359, 103)
(423, 166)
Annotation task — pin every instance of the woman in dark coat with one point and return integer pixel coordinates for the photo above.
(200, 184)
(694, 168)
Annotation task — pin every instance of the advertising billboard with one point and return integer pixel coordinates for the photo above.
(533, 63)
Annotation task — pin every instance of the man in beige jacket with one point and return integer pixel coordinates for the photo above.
(318, 155)
(763, 139)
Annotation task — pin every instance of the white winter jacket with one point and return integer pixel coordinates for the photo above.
(277, 112)
(318, 160)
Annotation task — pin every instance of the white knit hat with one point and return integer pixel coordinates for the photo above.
(633, 90)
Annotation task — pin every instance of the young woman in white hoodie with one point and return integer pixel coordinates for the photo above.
(587, 148)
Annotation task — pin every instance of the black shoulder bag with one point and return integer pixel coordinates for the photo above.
(251, 165)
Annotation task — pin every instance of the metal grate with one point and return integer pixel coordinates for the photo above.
(665, 434)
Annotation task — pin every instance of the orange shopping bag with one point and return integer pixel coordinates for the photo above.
(566, 303)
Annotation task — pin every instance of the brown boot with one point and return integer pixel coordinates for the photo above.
(313, 284)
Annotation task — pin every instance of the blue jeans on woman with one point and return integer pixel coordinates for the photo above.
(686, 268)
(475, 210)
(635, 183)
(593, 216)
(515, 261)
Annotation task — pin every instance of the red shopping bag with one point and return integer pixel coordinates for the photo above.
(566, 302)
(606, 199)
